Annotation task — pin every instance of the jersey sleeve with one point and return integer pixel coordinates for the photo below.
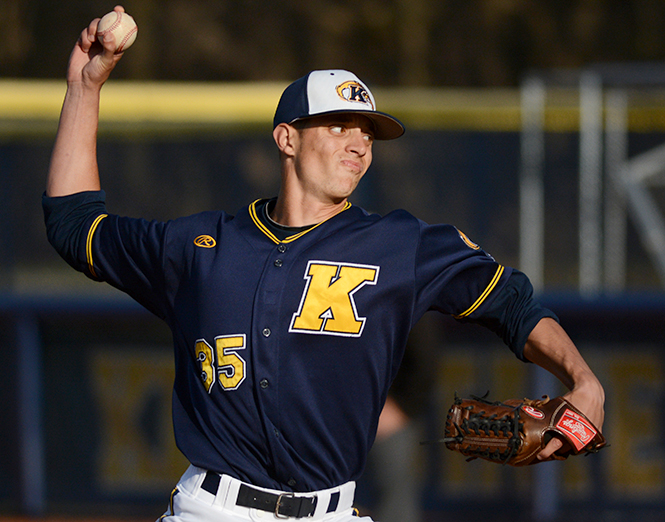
(513, 313)
(455, 276)
(124, 252)
(69, 222)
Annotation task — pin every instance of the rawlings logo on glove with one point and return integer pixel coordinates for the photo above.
(514, 432)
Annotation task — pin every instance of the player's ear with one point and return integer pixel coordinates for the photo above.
(284, 136)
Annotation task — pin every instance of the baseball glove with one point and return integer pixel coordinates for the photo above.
(513, 432)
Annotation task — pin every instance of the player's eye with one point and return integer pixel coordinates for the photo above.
(337, 129)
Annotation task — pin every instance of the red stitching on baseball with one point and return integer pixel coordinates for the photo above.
(118, 19)
(126, 38)
(115, 24)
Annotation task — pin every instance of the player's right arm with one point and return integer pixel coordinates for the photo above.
(73, 166)
(124, 252)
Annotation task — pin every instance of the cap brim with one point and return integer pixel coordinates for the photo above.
(386, 127)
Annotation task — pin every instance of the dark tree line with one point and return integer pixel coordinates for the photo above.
(390, 42)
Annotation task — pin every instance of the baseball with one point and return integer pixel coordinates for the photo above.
(121, 25)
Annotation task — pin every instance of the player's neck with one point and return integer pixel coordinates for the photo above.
(304, 211)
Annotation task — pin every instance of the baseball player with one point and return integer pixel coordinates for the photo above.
(289, 318)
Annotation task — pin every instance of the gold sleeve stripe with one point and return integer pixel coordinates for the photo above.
(484, 295)
(273, 237)
(88, 243)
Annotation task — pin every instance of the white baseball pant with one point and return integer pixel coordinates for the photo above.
(202, 496)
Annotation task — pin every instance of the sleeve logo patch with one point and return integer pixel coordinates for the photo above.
(576, 428)
(533, 412)
(468, 242)
(205, 241)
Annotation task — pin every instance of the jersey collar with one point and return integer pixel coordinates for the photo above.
(254, 214)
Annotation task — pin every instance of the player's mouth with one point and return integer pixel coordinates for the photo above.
(353, 165)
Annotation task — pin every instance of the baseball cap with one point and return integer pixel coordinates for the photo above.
(334, 91)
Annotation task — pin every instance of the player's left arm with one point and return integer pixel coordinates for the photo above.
(549, 346)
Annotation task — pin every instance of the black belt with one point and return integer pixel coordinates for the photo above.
(283, 505)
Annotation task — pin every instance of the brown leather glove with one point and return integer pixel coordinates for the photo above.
(513, 432)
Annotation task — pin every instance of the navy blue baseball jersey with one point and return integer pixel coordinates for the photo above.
(286, 341)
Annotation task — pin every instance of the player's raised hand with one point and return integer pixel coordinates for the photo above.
(92, 58)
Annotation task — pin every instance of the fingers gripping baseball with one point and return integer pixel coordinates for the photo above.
(94, 57)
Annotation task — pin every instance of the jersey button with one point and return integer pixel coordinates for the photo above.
(292, 482)
(266, 332)
(264, 383)
(281, 248)
(278, 263)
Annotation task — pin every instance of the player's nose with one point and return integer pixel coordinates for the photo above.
(358, 141)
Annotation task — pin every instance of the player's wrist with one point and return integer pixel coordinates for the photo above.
(586, 383)
(588, 395)
(83, 94)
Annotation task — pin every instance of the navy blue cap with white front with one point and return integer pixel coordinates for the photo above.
(334, 91)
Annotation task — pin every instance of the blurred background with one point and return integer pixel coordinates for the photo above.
(536, 127)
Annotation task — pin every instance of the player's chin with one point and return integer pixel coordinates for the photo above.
(356, 174)
(346, 187)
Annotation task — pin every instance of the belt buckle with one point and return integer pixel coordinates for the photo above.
(279, 503)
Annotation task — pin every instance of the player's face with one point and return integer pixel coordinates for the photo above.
(334, 153)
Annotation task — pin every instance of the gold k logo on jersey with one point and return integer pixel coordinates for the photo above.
(328, 306)
(354, 92)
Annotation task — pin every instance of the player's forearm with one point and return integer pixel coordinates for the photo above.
(550, 347)
(73, 165)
